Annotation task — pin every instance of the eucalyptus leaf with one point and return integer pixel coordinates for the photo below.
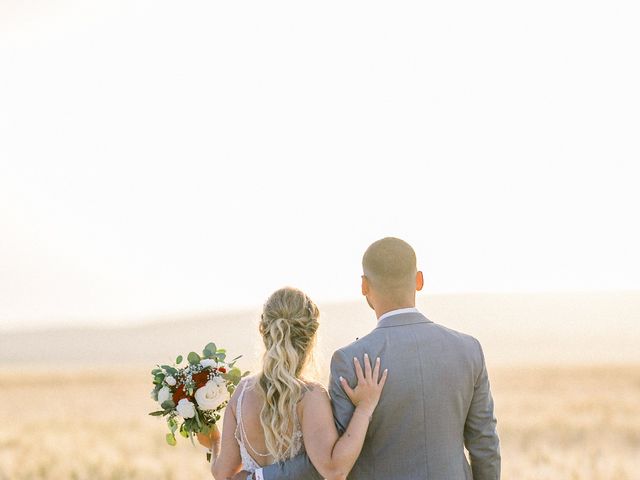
(168, 404)
(193, 358)
(179, 359)
(210, 350)
(170, 370)
(173, 425)
(187, 424)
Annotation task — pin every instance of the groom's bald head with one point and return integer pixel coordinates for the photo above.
(390, 266)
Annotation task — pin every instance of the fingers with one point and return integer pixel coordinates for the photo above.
(383, 380)
(367, 367)
(347, 388)
(376, 370)
(359, 373)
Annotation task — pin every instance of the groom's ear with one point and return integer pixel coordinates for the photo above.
(365, 286)
(419, 281)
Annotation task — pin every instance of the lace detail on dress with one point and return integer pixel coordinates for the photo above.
(249, 463)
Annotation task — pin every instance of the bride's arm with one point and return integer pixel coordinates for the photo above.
(331, 454)
(225, 456)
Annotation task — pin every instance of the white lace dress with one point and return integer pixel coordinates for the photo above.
(249, 462)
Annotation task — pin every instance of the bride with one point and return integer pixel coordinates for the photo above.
(276, 414)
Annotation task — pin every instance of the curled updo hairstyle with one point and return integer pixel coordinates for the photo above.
(288, 327)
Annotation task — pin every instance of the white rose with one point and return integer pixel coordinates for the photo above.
(186, 409)
(220, 382)
(212, 395)
(208, 362)
(170, 380)
(164, 394)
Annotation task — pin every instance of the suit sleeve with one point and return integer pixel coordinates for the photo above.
(342, 407)
(298, 467)
(480, 435)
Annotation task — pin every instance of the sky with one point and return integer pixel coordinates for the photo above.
(158, 158)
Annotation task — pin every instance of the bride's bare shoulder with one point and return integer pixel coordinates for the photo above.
(314, 390)
(315, 399)
(245, 385)
(250, 381)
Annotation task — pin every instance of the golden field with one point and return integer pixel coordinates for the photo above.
(579, 423)
(562, 415)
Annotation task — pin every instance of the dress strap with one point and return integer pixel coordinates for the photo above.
(239, 405)
(241, 436)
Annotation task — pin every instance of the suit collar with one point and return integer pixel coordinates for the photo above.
(397, 311)
(400, 319)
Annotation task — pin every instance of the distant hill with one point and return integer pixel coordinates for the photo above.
(571, 328)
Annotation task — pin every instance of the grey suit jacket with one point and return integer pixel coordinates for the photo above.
(435, 403)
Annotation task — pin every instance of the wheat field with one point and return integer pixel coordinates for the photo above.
(579, 423)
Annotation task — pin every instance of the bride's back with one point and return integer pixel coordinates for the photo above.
(249, 431)
(288, 326)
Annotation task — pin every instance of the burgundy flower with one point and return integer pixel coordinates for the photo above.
(201, 378)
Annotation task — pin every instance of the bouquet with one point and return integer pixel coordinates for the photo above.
(193, 396)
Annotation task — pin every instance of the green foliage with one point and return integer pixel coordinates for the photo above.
(234, 375)
(210, 350)
(168, 404)
(171, 439)
(170, 370)
(179, 360)
(154, 394)
(173, 425)
(191, 425)
(193, 358)
(157, 413)
(232, 363)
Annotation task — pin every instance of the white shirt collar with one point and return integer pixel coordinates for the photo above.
(398, 312)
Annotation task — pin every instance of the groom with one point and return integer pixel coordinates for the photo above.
(436, 400)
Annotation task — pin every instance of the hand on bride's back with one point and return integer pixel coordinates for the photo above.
(366, 393)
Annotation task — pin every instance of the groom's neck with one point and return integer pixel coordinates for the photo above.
(391, 306)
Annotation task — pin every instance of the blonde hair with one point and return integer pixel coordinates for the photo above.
(288, 328)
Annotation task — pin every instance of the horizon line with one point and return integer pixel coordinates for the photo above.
(149, 319)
